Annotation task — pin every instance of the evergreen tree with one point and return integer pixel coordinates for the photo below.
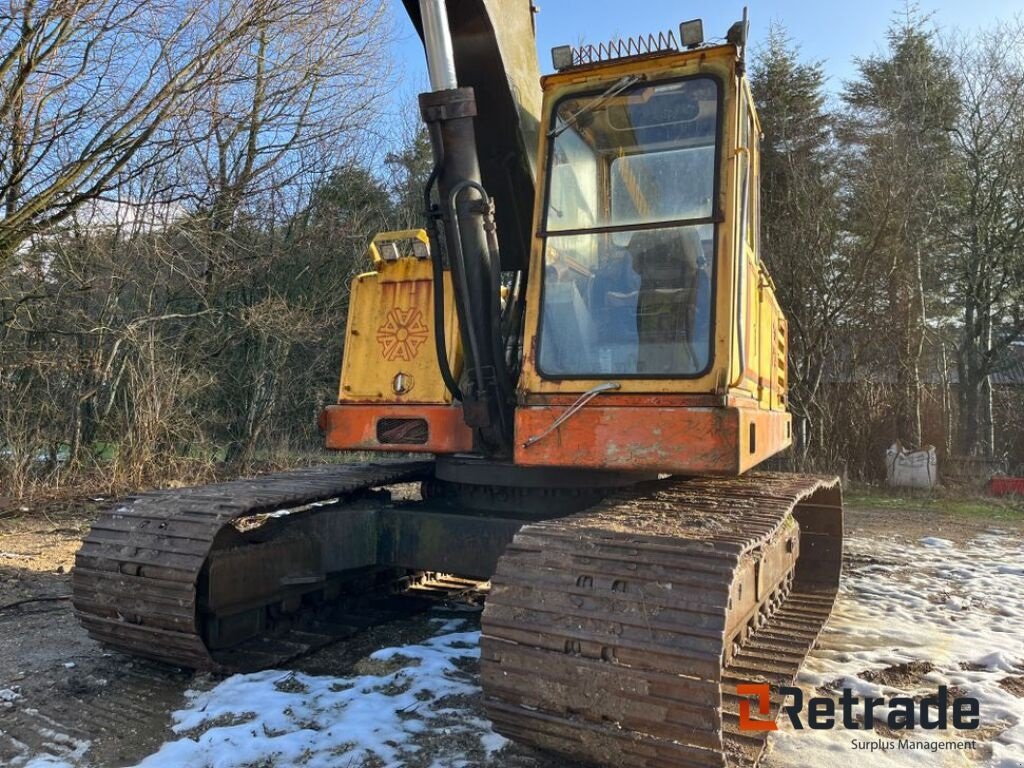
(410, 170)
(800, 223)
(896, 131)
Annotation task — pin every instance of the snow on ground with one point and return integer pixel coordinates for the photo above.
(73, 751)
(410, 709)
(48, 761)
(911, 617)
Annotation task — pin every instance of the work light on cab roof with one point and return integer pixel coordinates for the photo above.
(691, 36)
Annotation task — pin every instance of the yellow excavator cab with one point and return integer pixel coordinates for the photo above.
(644, 292)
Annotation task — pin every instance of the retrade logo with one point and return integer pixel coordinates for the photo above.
(937, 711)
(764, 707)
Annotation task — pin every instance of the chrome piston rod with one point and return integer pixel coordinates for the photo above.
(437, 40)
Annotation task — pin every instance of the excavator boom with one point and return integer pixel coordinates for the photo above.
(495, 54)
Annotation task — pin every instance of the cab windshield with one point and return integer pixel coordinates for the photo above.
(629, 233)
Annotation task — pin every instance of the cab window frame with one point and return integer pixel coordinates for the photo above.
(715, 220)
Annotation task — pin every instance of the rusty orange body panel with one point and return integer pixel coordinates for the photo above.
(706, 439)
(354, 427)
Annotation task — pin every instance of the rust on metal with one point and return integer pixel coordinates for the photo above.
(683, 439)
(356, 427)
(647, 610)
(136, 581)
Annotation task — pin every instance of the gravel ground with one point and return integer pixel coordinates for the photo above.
(928, 599)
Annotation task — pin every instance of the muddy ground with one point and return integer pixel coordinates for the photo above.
(65, 700)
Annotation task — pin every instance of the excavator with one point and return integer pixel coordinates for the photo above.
(570, 374)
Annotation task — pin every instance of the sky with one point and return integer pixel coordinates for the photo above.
(832, 32)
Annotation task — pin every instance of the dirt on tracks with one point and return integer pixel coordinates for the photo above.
(64, 697)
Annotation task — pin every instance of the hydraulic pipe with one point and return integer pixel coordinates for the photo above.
(449, 112)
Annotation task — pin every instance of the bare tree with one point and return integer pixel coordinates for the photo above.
(302, 92)
(169, 300)
(94, 91)
(896, 133)
(986, 266)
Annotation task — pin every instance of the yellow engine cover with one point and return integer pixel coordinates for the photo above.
(390, 355)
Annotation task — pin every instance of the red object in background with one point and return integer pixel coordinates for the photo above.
(1004, 486)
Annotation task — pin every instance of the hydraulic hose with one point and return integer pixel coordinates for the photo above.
(497, 342)
(494, 269)
(440, 345)
(510, 323)
(458, 259)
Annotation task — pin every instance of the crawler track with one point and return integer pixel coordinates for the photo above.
(137, 578)
(618, 635)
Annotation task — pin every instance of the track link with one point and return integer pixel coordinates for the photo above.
(136, 577)
(618, 635)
